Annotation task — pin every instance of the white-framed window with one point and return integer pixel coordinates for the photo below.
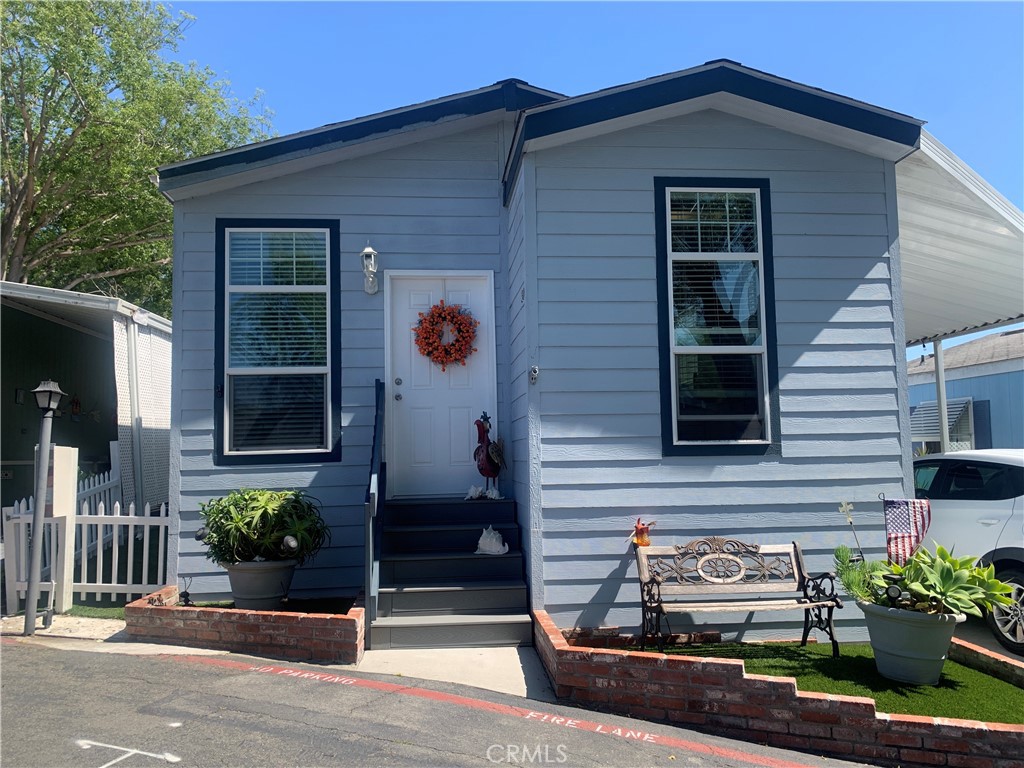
(277, 363)
(718, 350)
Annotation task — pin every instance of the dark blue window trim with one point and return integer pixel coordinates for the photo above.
(508, 95)
(220, 458)
(668, 446)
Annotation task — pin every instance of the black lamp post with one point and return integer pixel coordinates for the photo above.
(48, 397)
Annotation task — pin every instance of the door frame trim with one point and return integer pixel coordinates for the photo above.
(389, 276)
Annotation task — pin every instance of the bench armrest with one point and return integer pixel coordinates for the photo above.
(822, 587)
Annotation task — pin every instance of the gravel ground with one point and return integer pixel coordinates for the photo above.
(112, 630)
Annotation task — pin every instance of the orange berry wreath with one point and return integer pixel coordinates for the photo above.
(430, 334)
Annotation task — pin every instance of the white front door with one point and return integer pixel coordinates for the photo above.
(430, 412)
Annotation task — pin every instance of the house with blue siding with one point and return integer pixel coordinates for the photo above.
(984, 381)
(688, 304)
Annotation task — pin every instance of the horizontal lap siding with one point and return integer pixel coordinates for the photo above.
(518, 447)
(434, 205)
(602, 464)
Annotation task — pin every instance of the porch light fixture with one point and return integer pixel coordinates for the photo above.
(369, 257)
(48, 397)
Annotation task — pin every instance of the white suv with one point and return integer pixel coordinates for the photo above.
(977, 502)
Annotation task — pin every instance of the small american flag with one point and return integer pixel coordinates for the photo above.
(906, 521)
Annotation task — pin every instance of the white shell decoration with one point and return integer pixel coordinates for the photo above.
(491, 543)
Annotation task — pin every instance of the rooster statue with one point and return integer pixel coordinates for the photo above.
(489, 456)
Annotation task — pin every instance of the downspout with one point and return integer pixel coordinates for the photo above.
(136, 417)
(940, 397)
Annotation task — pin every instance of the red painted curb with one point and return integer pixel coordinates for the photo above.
(503, 709)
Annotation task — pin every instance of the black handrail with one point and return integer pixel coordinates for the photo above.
(377, 449)
(375, 493)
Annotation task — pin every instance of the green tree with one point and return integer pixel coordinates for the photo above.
(91, 107)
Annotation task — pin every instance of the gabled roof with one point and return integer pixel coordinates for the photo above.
(547, 118)
(994, 348)
(960, 239)
(449, 113)
(723, 85)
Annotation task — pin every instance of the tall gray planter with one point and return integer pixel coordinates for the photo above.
(909, 646)
(260, 585)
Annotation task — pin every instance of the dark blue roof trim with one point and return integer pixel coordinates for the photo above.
(509, 95)
(688, 85)
(571, 115)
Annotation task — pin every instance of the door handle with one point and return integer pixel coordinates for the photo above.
(987, 521)
(398, 396)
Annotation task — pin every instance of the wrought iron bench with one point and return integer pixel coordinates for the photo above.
(739, 575)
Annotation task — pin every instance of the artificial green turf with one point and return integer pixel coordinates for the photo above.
(97, 612)
(962, 692)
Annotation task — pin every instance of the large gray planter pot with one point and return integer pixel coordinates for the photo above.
(909, 646)
(260, 585)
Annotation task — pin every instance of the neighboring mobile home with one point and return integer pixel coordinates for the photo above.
(114, 361)
(984, 386)
(689, 300)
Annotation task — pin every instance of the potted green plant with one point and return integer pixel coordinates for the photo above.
(911, 610)
(259, 537)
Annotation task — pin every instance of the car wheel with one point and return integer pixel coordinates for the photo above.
(1007, 621)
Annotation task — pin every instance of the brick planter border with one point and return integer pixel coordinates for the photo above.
(317, 637)
(974, 656)
(718, 696)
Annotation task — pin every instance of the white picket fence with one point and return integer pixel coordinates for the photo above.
(104, 488)
(95, 494)
(131, 562)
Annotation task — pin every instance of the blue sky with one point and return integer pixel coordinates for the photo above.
(958, 66)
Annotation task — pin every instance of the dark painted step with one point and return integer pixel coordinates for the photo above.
(444, 599)
(494, 629)
(481, 512)
(457, 537)
(435, 591)
(399, 569)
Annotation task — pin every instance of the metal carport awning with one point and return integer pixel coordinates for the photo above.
(961, 256)
(961, 247)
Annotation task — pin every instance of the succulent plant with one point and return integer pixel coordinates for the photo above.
(927, 582)
(252, 524)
